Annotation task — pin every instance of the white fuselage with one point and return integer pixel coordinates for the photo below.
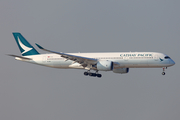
(125, 59)
(118, 62)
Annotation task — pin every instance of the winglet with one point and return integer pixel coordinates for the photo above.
(40, 47)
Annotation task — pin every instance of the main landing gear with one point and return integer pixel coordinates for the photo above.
(163, 73)
(92, 74)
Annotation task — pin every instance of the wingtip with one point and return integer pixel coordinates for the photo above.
(40, 47)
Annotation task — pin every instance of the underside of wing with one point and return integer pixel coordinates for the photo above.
(84, 61)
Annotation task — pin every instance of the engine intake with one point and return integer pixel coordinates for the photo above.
(105, 65)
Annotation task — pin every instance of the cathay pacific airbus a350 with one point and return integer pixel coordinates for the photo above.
(118, 62)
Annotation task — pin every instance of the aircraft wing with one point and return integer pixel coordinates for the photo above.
(84, 61)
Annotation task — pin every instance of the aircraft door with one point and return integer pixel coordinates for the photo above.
(125, 58)
(44, 59)
(125, 62)
(155, 56)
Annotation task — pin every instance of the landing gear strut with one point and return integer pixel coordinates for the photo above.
(163, 73)
(92, 74)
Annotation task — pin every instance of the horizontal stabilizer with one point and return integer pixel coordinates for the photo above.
(23, 58)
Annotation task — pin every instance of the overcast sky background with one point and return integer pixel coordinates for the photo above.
(32, 92)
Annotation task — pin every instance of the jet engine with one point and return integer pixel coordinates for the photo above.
(121, 70)
(105, 65)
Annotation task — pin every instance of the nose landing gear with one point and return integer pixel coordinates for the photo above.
(163, 73)
(92, 74)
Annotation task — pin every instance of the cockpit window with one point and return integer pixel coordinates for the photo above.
(167, 57)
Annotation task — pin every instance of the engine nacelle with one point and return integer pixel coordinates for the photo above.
(105, 65)
(121, 70)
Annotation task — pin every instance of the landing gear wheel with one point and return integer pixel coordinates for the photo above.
(99, 75)
(92, 74)
(86, 73)
(163, 73)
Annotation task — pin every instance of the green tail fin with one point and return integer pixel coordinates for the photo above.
(25, 47)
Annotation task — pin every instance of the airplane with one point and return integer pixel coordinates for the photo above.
(118, 62)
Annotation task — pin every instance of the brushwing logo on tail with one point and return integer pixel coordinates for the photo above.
(25, 48)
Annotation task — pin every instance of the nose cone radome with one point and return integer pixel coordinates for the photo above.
(172, 62)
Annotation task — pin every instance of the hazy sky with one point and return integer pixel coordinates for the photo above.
(32, 92)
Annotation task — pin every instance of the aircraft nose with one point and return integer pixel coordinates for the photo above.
(172, 62)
